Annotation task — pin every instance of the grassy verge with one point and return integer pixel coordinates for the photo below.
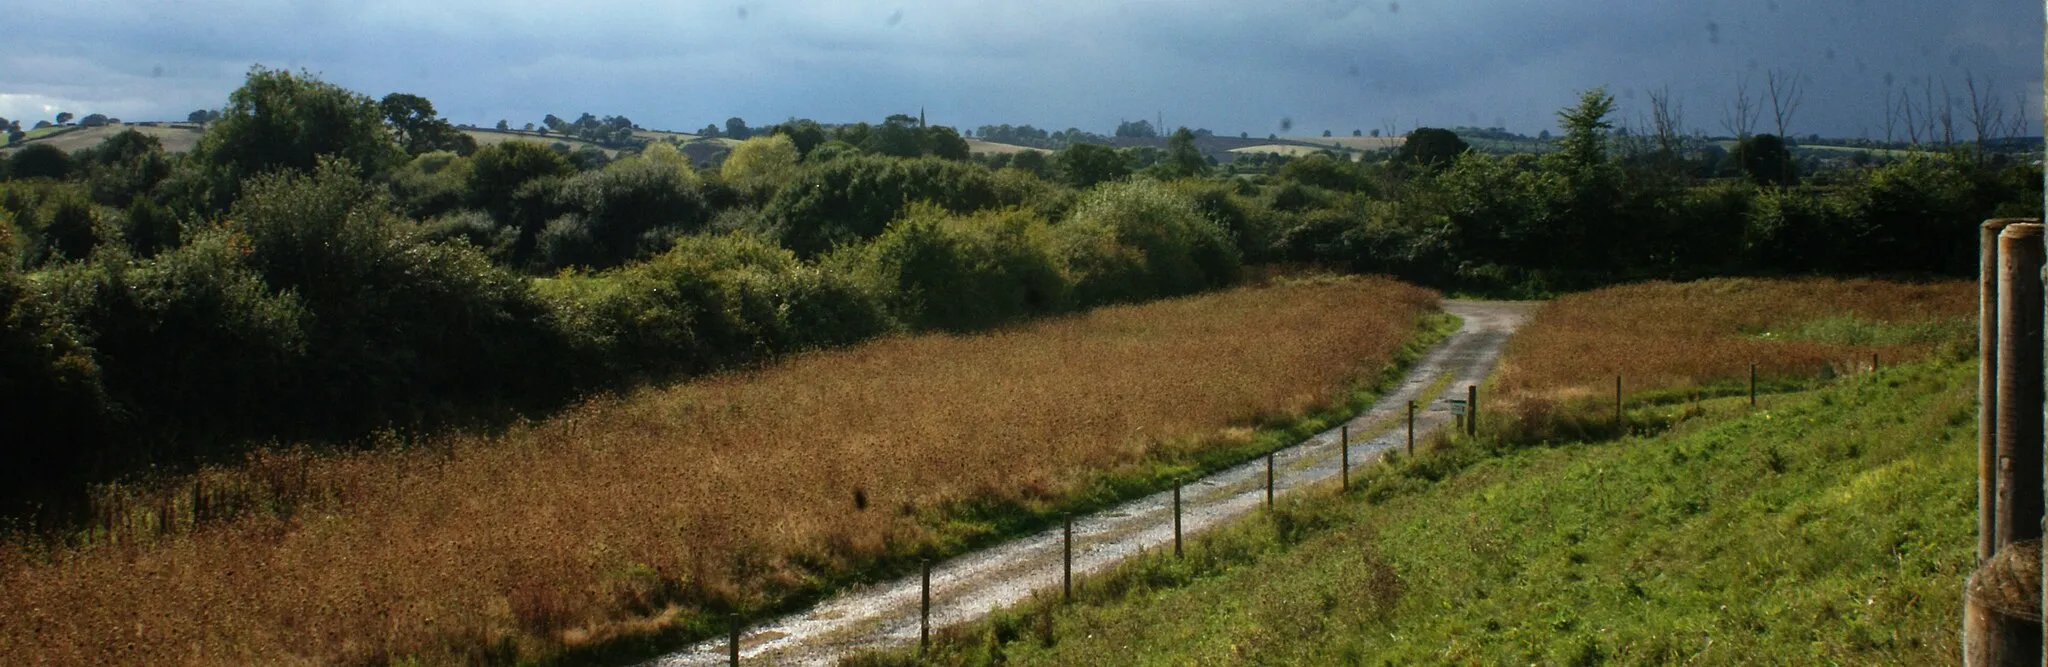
(1832, 526)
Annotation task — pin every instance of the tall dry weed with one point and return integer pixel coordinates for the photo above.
(713, 494)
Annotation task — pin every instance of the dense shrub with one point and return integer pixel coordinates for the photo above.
(39, 160)
(50, 385)
(611, 211)
(1140, 239)
(848, 200)
(281, 121)
(959, 273)
(710, 302)
(432, 184)
(402, 324)
(191, 344)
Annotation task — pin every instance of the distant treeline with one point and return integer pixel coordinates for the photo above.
(325, 266)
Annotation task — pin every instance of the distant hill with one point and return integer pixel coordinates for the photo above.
(176, 137)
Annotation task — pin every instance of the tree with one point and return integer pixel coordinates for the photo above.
(737, 129)
(1183, 160)
(1741, 115)
(709, 131)
(1766, 160)
(93, 120)
(1030, 161)
(760, 164)
(1431, 148)
(806, 134)
(1357, 133)
(943, 142)
(1326, 133)
(412, 117)
(1136, 129)
(1375, 133)
(281, 121)
(504, 125)
(1786, 93)
(899, 135)
(498, 171)
(63, 117)
(198, 116)
(40, 160)
(1585, 128)
(1085, 165)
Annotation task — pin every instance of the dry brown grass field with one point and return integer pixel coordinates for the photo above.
(1677, 336)
(631, 515)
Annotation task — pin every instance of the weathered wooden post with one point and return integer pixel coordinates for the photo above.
(1344, 458)
(2002, 600)
(1067, 570)
(1176, 519)
(1411, 428)
(924, 614)
(1269, 481)
(1471, 410)
(732, 643)
(1752, 385)
(1987, 388)
(2020, 503)
(1617, 402)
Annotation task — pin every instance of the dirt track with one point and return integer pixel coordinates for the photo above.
(969, 585)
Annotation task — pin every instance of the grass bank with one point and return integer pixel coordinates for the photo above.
(1829, 526)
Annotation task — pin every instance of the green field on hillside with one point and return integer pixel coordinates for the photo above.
(1831, 526)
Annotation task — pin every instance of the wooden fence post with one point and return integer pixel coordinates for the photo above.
(1269, 481)
(1411, 428)
(1067, 570)
(1344, 457)
(733, 640)
(1617, 402)
(1997, 628)
(924, 614)
(1471, 410)
(1176, 519)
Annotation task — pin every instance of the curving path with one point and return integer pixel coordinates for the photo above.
(969, 585)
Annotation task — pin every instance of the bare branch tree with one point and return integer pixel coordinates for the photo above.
(1667, 118)
(1741, 114)
(1786, 93)
(1891, 113)
(1985, 113)
(1948, 117)
(1912, 124)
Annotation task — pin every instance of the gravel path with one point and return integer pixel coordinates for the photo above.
(968, 586)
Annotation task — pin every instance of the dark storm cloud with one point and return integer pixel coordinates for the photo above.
(1223, 64)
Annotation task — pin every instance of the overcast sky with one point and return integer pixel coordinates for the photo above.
(1228, 65)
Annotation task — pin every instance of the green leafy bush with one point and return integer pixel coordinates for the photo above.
(959, 273)
(853, 199)
(1140, 239)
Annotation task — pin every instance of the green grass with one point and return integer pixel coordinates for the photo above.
(1834, 526)
(1846, 330)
